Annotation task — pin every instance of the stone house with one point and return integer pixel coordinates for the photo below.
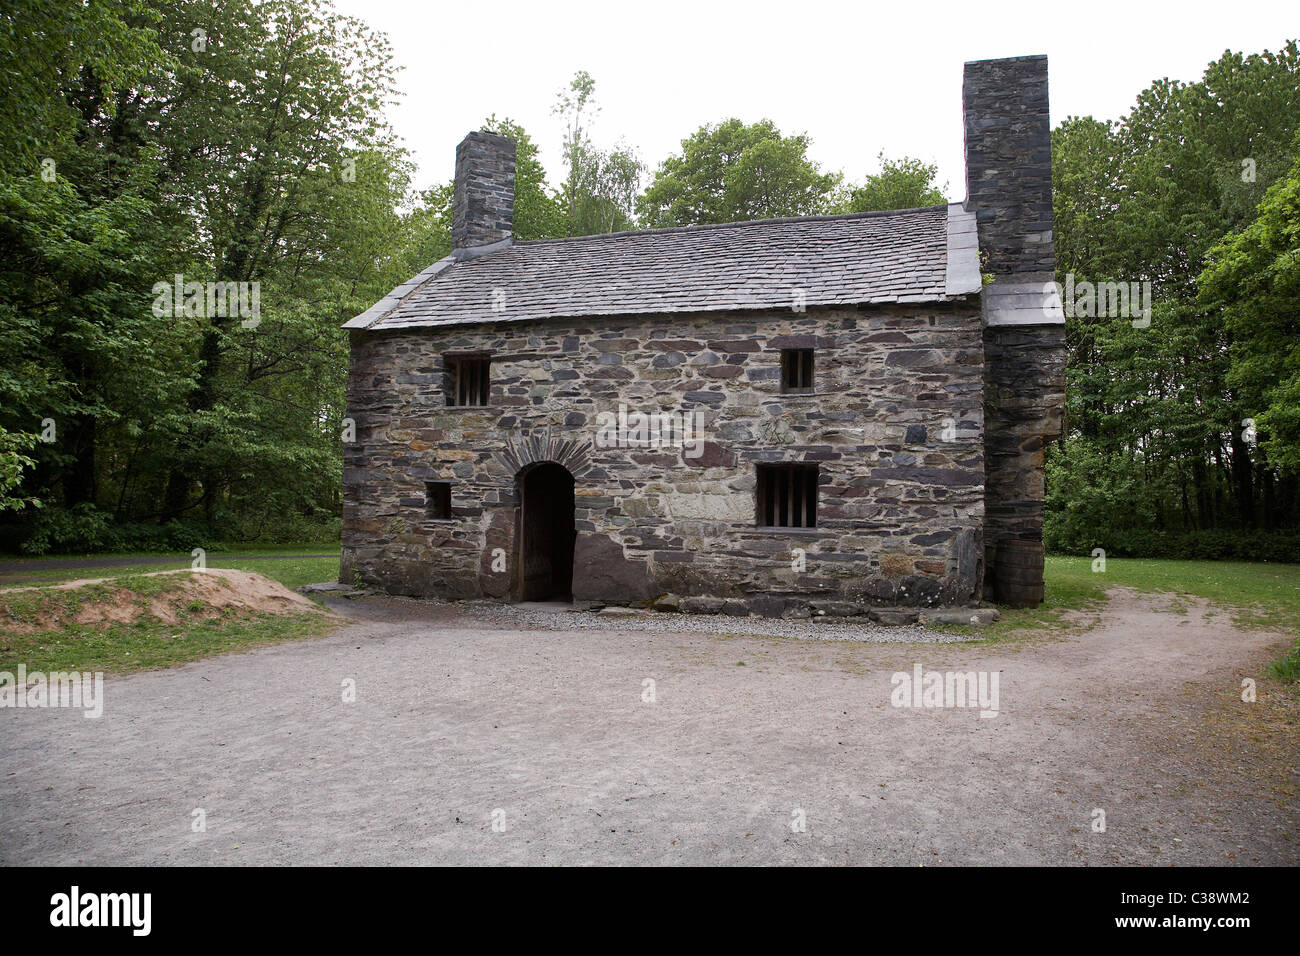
(830, 412)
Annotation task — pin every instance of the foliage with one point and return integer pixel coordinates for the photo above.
(732, 172)
(1253, 277)
(600, 190)
(905, 183)
(1159, 444)
(12, 463)
(245, 144)
(540, 213)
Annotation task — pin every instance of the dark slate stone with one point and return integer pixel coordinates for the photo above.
(601, 572)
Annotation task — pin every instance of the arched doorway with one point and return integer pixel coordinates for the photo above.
(545, 533)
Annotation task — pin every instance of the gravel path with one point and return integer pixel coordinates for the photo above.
(545, 616)
(486, 741)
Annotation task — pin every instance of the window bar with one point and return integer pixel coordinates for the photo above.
(809, 498)
(796, 515)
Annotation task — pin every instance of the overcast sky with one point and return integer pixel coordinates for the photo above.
(856, 77)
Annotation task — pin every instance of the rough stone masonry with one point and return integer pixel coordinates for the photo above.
(873, 411)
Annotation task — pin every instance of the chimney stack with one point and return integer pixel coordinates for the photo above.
(1009, 190)
(1009, 165)
(483, 207)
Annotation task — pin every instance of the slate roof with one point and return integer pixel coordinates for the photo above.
(912, 255)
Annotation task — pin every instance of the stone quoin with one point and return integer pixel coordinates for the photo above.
(870, 398)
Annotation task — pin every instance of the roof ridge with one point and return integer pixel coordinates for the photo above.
(701, 227)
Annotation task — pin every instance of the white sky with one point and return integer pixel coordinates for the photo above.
(857, 77)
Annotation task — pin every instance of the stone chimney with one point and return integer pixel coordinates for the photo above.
(483, 208)
(1009, 164)
(1009, 189)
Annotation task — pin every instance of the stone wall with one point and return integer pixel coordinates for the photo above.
(1024, 403)
(896, 426)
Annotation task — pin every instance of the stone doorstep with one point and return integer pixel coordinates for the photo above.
(969, 616)
(338, 590)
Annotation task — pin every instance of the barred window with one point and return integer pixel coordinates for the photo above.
(796, 370)
(469, 380)
(787, 496)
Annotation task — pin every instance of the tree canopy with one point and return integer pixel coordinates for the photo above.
(1185, 426)
(906, 183)
(730, 172)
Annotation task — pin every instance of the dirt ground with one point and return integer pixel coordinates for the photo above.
(216, 588)
(472, 742)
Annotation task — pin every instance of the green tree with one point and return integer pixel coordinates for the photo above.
(539, 212)
(294, 167)
(732, 172)
(243, 142)
(905, 183)
(1253, 278)
(1147, 199)
(47, 50)
(12, 463)
(600, 186)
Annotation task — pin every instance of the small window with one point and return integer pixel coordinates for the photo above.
(469, 380)
(437, 499)
(796, 370)
(787, 496)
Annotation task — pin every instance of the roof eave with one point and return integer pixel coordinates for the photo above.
(374, 314)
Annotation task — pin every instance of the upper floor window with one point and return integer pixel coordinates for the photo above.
(796, 370)
(469, 380)
(437, 499)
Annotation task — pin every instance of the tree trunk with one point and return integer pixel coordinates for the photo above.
(1242, 480)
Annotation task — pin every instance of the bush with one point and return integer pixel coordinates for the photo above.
(283, 528)
(84, 529)
(1216, 544)
(1107, 501)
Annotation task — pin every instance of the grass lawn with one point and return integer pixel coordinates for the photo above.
(1260, 595)
(300, 547)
